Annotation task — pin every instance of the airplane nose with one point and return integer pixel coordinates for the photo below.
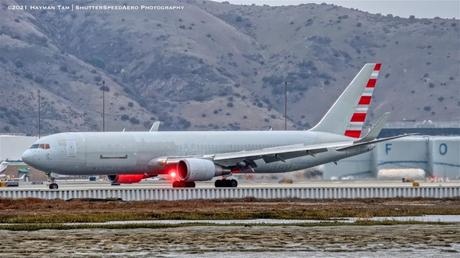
(27, 157)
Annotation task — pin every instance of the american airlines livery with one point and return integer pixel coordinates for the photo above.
(189, 156)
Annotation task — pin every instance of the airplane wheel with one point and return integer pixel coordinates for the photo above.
(190, 184)
(218, 183)
(53, 186)
(233, 183)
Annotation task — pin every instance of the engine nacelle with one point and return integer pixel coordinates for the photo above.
(198, 170)
(126, 178)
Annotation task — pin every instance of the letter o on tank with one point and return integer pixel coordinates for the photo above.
(442, 149)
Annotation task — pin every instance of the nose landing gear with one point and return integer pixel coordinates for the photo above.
(53, 185)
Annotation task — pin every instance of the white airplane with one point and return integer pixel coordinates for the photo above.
(190, 156)
(3, 167)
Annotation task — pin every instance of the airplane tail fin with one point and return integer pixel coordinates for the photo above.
(348, 114)
(155, 126)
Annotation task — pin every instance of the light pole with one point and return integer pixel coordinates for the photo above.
(103, 106)
(39, 114)
(285, 106)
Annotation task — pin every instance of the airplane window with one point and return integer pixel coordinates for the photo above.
(34, 146)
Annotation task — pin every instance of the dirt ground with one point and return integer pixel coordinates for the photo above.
(35, 210)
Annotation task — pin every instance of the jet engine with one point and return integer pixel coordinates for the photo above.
(193, 169)
(126, 178)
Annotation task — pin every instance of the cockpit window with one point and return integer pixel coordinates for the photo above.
(44, 146)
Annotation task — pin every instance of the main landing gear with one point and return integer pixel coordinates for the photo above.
(177, 184)
(53, 186)
(226, 183)
(217, 183)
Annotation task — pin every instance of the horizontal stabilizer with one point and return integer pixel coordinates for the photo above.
(374, 141)
(376, 129)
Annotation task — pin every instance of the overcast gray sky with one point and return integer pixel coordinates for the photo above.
(402, 8)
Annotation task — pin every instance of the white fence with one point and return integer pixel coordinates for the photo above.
(141, 194)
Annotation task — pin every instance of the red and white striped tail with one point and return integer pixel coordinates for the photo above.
(356, 124)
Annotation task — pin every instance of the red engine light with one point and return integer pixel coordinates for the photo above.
(129, 179)
(170, 172)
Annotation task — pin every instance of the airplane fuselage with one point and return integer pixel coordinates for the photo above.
(96, 153)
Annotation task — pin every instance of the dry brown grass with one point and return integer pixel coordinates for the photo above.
(56, 211)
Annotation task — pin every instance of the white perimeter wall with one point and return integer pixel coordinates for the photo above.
(12, 146)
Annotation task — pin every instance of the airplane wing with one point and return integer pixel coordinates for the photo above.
(272, 154)
(282, 153)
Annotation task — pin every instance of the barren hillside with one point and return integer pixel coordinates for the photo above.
(217, 66)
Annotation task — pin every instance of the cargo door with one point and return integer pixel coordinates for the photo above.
(109, 152)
